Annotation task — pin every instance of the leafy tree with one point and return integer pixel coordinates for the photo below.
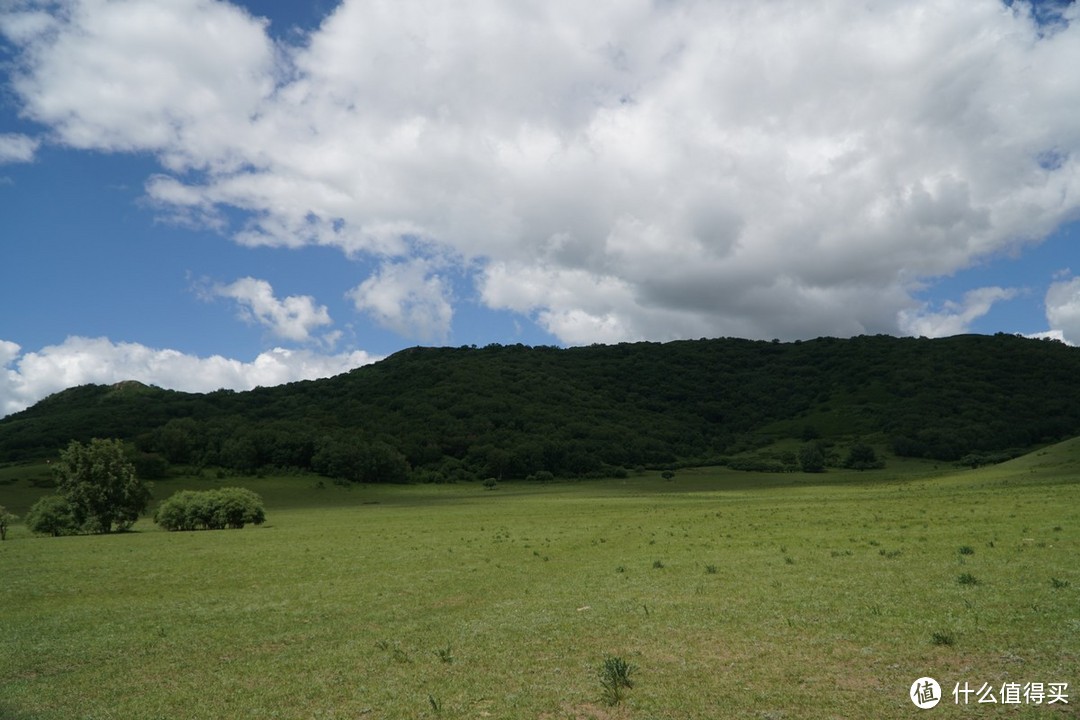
(101, 485)
(811, 458)
(52, 515)
(862, 457)
(150, 466)
(5, 519)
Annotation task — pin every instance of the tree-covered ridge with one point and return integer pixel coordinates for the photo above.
(514, 411)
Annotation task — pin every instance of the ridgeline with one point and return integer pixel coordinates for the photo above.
(447, 414)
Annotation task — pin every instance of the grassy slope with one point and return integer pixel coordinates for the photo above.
(825, 597)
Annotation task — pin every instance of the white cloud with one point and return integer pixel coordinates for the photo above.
(17, 148)
(781, 169)
(1063, 310)
(292, 318)
(954, 318)
(177, 77)
(409, 298)
(26, 377)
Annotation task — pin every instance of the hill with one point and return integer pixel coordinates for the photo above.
(512, 411)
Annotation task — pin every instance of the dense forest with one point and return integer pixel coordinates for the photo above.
(446, 414)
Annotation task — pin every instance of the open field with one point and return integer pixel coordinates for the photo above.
(733, 595)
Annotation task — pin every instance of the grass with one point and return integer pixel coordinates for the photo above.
(348, 601)
(615, 679)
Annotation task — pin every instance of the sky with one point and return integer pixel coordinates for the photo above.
(201, 194)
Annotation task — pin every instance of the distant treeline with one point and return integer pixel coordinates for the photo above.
(444, 414)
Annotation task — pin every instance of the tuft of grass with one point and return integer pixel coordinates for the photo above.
(436, 703)
(658, 564)
(615, 679)
(711, 569)
(967, 579)
(1058, 583)
(943, 638)
(445, 655)
(967, 550)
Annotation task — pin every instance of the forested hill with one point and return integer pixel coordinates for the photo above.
(514, 411)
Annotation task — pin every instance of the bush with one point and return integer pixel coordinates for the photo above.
(52, 515)
(811, 458)
(863, 457)
(5, 519)
(229, 507)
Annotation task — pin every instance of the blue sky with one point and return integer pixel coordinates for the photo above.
(203, 194)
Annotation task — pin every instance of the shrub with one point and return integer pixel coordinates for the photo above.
(5, 518)
(229, 507)
(811, 458)
(863, 457)
(234, 507)
(52, 515)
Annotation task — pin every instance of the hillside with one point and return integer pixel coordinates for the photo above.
(514, 411)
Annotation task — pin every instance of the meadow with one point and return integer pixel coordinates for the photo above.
(730, 594)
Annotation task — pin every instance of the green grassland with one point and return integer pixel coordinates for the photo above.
(732, 594)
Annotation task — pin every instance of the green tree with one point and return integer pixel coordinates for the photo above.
(862, 457)
(811, 458)
(52, 515)
(100, 483)
(5, 519)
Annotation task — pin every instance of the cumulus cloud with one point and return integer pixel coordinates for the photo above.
(292, 318)
(1063, 310)
(954, 318)
(612, 169)
(408, 298)
(17, 148)
(26, 377)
